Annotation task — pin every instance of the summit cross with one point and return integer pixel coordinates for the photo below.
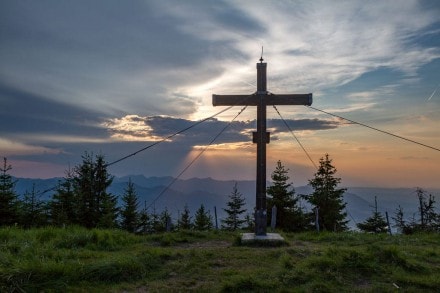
(261, 98)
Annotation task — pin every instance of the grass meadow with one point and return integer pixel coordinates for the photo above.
(75, 259)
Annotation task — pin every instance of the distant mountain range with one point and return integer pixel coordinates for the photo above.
(214, 193)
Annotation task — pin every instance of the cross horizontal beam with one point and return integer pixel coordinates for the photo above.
(269, 99)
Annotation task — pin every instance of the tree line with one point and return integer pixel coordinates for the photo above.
(81, 198)
(328, 209)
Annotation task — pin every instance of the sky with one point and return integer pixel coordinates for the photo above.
(112, 77)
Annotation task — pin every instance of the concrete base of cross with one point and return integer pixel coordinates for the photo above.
(269, 237)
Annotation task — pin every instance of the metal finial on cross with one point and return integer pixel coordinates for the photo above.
(261, 137)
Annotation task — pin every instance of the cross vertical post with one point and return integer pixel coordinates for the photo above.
(261, 98)
(261, 141)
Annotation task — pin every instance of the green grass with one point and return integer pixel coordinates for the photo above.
(77, 260)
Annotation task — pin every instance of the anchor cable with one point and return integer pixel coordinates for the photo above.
(194, 159)
(163, 139)
(373, 128)
(168, 137)
(176, 133)
(293, 134)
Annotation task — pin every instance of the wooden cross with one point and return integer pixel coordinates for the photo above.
(261, 137)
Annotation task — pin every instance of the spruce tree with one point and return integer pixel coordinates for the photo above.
(184, 221)
(145, 225)
(429, 219)
(166, 223)
(156, 224)
(327, 198)
(106, 203)
(83, 184)
(374, 224)
(129, 213)
(108, 212)
(399, 221)
(8, 197)
(95, 206)
(234, 211)
(32, 210)
(63, 204)
(203, 219)
(432, 218)
(282, 195)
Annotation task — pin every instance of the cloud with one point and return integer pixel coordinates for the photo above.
(152, 58)
(326, 44)
(154, 128)
(9, 147)
(111, 56)
(362, 101)
(112, 76)
(26, 114)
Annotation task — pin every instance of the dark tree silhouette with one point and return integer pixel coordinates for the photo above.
(400, 222)
(156, 224)
(428, 221)
(376, 223)
(184, 221)
(327, 198)
(8, 197)
(95, 206)
(145, 225)
(33, 211)
(203, 220)
(165, 220)
(282, 195)
(235, 209)
(129, 212)
(63, 204)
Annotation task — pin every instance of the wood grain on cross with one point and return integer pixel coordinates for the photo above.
(261, 137)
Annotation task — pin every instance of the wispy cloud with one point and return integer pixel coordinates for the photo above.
(310, 46)
(9, 147)
(155, 59)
